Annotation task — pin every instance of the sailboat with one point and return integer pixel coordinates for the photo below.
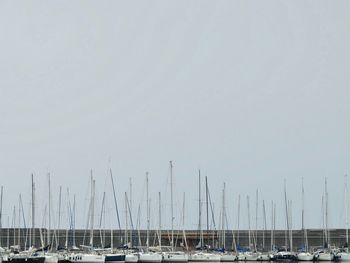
(149, 256)
(173, 256)
(29, 256)
(325, 254)
(264, 256)
(202, 256)
(304, 255)
(250, 255)
(225, 256)
(90, 256)
(345, 255)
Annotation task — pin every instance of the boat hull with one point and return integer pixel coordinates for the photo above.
(204, 257)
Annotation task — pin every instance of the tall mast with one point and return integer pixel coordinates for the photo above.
(59, 215)
(223, 217)
(102, 216)
(115, 201)
(326, 207)
(272, 216)
(249, 238)
(286, 207)
(130, 209)
(200, 210)
(73, 221)
(238, 216)
(148, 214)
(172, 206)
(160, 218)
(49, 227)
(207, 205)
(92, 211)
(346, 214)
(183, 221)
(265, 227)
(303, 215)
(302, 205)
(126, 220)
(33, 212)
(256, 217)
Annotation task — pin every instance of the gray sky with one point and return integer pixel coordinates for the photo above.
(250, 92)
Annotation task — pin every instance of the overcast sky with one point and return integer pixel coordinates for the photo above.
(250, 92)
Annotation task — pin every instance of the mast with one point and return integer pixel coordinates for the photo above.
(286, 207)
(33, 212)
(249, 238)
(303, 215)
(272, 216)
(326, 208)
(160, 219)
(49, 226)
(92, 211)
(73, 221)
(183, 221)
(148, 213)
(265, 227)
(115, 201)
(126, 220)
(223, 218)
(172, 206)
(346, 214)
(207, 206)
(291, 225)
(59, 215)
(256, 218)
(238, 216)
(200, 210)
(130, 209)
(102, 219)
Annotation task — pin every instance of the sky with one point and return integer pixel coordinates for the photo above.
(252, 93)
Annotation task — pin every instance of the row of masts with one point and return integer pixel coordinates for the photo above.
(252, 235)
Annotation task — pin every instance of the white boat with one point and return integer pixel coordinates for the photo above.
(305, 256)
(251, 256)
(131, 258)
(150, 257)
(264, 257)
(204, 257)
(343, 256)
(176, 256)
(51, 258)
(323, 255)
(86, 258)
(228, 257)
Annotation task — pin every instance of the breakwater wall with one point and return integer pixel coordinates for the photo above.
(24, 238)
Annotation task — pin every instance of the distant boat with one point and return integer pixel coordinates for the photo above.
(304, 255)
(344, 255)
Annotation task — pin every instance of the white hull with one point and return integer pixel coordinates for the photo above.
(204, 257)
(324, 257)
(251, 256)
(131, 258)
(343, 256)
(305, 256)
(86, 258)
(51, 258)
(150, 257)
(175, 257)
(264, 257)
(228, 258)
